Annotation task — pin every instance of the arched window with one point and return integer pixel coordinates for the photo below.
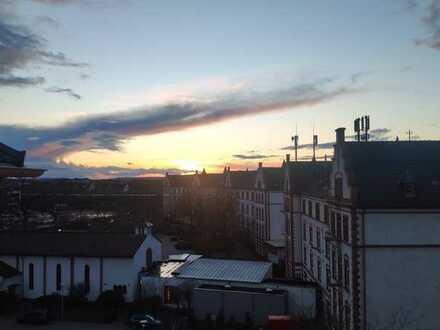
(58, 277)
(87, 279)
(148, 257)
(31, 276)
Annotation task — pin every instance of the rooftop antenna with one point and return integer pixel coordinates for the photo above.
(361, 128)
(315, 144)
(295, 142)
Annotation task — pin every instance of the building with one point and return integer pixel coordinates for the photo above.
(12, 164)
(236, 288)
(55, 262)
(239, 186)
(258, 209)
(368, 237)
(177, 197)
(269, 218)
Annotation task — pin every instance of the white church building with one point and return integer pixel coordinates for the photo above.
(54, 262)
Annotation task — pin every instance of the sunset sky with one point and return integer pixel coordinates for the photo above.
(135, 88)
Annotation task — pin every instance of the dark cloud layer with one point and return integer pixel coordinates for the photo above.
(67, 170)
(67, 91)
(21, 48)
(108, 131)
(253, 156)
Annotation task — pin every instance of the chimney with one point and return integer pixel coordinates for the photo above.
(287, 157)
(260, 165)
(340, 135)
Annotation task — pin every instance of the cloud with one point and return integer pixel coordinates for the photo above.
(356, 77)
(14, 81)
(55, 2)
(253, 156)
(20, 48)
(47, 20)
(378, 134)
(109, 131)
(66, 91)
(326, 145)
(68, 170)
(431, 21)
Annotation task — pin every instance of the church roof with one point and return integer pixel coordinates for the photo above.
(71, 244)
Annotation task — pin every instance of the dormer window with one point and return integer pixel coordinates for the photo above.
(408, 184)
(409, 190)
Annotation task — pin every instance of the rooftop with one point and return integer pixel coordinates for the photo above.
(226, 270)
(380, 170)
(77, 244)
(7, 271)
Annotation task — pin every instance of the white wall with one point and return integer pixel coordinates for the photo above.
(277, 223)
(116, 271)
(402, 272)
(80, 263)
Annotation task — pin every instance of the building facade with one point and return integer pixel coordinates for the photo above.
(366, 234)
(57, 262)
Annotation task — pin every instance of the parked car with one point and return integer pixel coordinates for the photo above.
(144, 321)
(34, 317)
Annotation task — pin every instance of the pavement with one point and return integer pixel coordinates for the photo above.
(6, 324)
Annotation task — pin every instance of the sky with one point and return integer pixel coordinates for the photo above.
(139, 88)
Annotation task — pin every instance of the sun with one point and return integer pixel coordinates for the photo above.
(187, 164)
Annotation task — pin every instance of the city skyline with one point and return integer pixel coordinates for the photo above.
(138, 89)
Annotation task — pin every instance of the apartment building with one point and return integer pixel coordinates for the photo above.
(367, 234)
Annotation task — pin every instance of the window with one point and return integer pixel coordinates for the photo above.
(318, 211)
(334, 271)
(58, 277)
(318, 266)
(86, 279)
(305, 256)
(327, 275)
(338, 188)
(327, 249)
(340, 268)
(326, 214)
(346, 272)
(31, 276)
(311, 235)
(318, 239)
(148, 258)
(310, 208)
(338, 226)
(312, 268)
(305, 232)
(333, 223)
(120, 288)
(345, 229)
(304, 206)
(347, 316)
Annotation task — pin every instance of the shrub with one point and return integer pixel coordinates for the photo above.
(111, 299)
